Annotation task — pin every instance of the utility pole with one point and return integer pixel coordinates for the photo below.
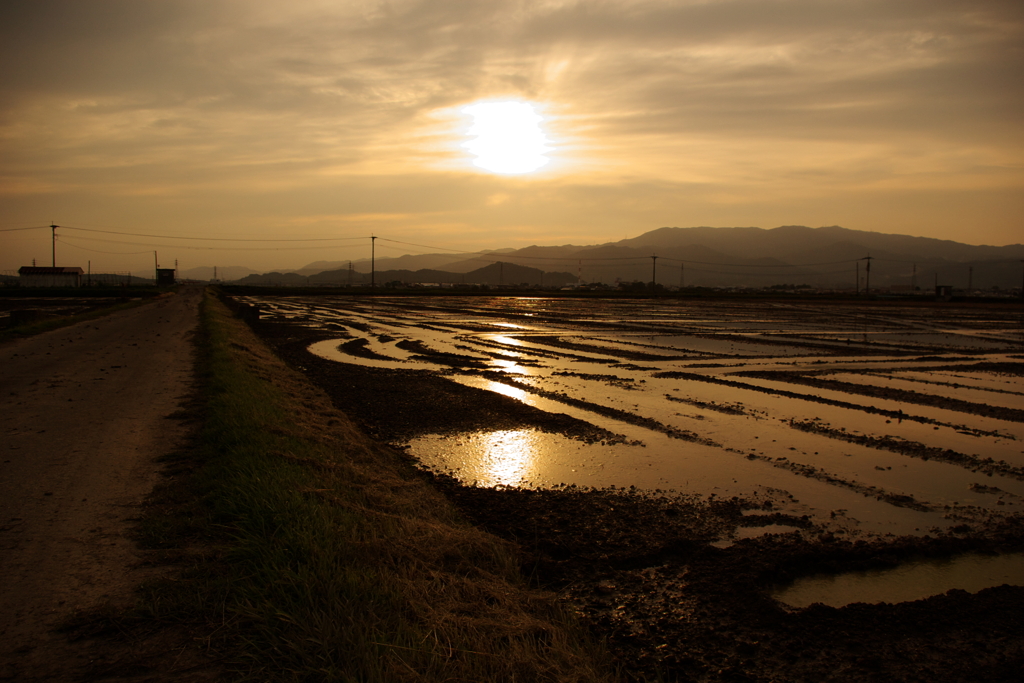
(156, 269)
(654, 272)
(501, 273)
(681, 267)
(53, 243)
(970, 279)
(858, 278)
(867, 283)
(373, 274)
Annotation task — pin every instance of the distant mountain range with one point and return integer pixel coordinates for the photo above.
(829, 257)
(223, 273)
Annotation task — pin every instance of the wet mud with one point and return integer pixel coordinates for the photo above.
(912, 397)
(643, 571)
(913, 449)
(898, 414)
(606, 411)
(395, 406)
(680, 586)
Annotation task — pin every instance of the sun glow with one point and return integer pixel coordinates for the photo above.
(508, 456)
(506, 137)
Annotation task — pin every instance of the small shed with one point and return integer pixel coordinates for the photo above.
(50, 276)
(164, 277)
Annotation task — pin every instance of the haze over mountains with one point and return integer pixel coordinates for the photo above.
(828, 257)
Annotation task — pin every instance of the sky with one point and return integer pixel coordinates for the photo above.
(283, 132)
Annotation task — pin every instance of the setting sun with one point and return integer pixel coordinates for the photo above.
(506, 137)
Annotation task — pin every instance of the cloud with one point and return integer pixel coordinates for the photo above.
(703, 106)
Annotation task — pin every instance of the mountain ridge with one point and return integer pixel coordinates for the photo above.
(825, 257)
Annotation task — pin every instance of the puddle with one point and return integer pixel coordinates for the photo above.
(753, 532)
(915, 581)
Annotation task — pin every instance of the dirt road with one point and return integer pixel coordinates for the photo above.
(83, 418)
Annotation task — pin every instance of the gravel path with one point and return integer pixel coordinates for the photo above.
(84, 416)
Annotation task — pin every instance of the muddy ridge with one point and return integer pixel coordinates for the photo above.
(902, 395)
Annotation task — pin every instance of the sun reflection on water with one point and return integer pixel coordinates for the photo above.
(507, 457)
(506, 390)
(507, 341)
(509, 366)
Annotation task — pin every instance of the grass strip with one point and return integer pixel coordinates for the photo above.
(338, 560)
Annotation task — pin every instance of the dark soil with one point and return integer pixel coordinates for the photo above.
(640, 569)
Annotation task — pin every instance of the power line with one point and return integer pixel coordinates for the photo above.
(115, 253)
(34, 227)
(66, 239)
(427, 246)
(212, 239)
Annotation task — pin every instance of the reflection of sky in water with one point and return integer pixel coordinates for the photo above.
(507, 457)
(509, 366)
(329, 349)
(500, 388)
(912, 581)
(728, 346)
(508, 341)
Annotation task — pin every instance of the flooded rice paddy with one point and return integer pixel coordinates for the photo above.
(868, 421)
(709, 484)
(881, 420)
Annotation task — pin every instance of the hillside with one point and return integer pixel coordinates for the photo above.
(828, 257)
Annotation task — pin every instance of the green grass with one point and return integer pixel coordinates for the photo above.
(317, 554)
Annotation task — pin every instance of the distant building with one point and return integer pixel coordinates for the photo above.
(48, 276)
(164, 277)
